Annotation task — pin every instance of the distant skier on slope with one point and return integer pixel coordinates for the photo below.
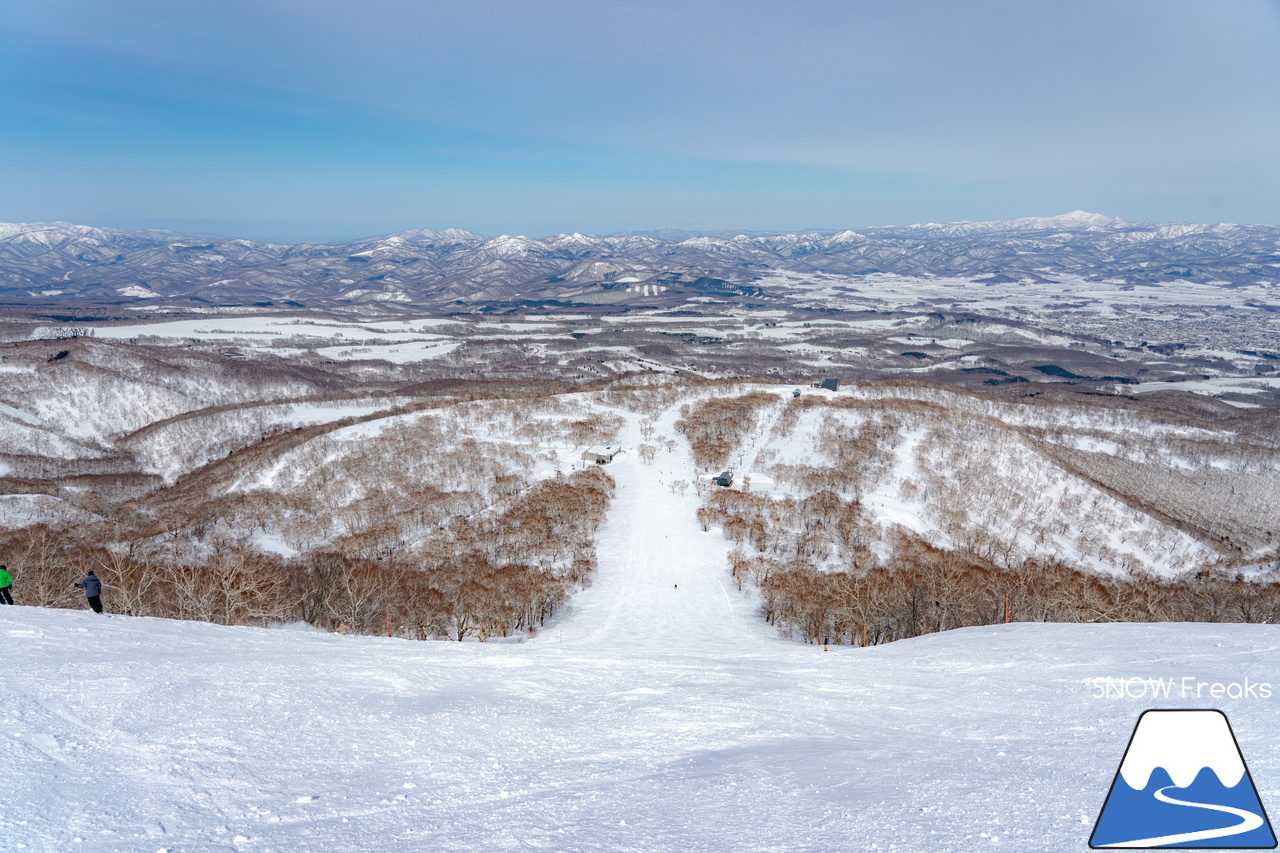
(92, 590)
(6, 583)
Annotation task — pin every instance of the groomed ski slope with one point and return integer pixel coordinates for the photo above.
(663, 584)
(646, 718)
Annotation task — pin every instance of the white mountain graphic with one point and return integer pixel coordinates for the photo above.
(1183, 782)
(1183, 743)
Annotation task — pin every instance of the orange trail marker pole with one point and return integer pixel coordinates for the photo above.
(388, 612)
(1006, 608)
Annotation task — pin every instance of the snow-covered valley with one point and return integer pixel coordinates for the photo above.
(656, 713)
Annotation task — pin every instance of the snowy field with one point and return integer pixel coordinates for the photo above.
(405, 353)
(137, 734)
(1212, 387)
(657, 714)
(885, 289)
(268, 329)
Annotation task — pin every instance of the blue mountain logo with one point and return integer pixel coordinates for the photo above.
(1183, 783)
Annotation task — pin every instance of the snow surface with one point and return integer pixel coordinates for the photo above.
(669, 585)
(1234, 385)
(141, 734)
(405, 353)
(1018, 299)
(658, 713)
(886, 500)
(9, 411)
(137, 292)
(265, 329)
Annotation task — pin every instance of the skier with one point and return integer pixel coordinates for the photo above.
(6, 581)
(92, 590)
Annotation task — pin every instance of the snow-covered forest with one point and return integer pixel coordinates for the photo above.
(251, 495)
(900, 509)
(266, 492)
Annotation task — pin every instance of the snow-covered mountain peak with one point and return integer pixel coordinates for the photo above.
(574, 242)
(47, 232)
(706, 243)
(508, 246)
(1073, 221)
(1083, 217)
(428, 235)
(12, 229)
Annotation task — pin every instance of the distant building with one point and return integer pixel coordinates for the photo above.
(828, 384)
(600, 455)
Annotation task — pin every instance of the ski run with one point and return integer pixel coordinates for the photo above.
(657, 712)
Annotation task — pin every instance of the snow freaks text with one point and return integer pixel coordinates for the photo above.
(1186, 687)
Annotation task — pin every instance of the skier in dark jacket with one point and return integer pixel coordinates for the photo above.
(92, 590)
(6, 582)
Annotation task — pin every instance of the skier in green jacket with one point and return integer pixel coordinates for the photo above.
(6, 581)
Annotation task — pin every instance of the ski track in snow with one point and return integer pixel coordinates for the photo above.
(645, 717)
(663, 582)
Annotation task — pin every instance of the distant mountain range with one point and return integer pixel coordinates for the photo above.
(54, 263)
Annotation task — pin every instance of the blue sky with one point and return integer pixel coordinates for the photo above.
(334, 118)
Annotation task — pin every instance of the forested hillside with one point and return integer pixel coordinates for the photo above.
(266, 492)
(905, 508)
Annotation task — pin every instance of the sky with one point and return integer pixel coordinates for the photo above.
(331, 119)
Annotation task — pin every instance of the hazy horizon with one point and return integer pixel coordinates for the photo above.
(330, 118)
(326, 232)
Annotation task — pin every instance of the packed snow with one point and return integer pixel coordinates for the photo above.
(137, 734)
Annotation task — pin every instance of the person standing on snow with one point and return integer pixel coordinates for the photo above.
(6, 581)
(92, 590)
